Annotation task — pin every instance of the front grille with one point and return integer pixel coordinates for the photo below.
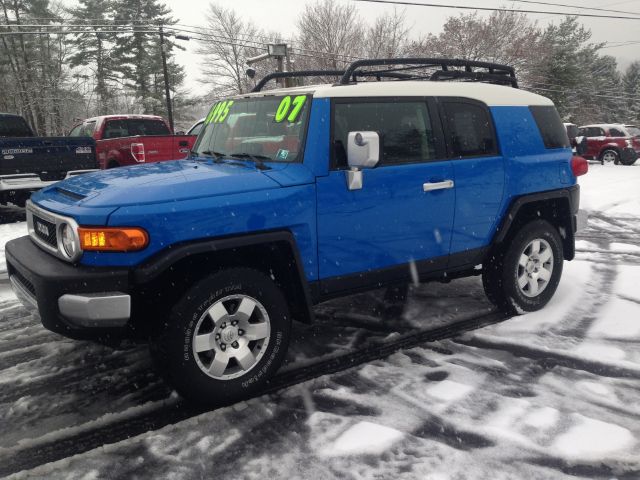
(45, 231)
(25, 283)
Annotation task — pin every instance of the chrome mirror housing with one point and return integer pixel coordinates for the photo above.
(363, 151)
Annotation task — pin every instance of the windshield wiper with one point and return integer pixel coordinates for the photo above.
(210, 153)
(257, 159)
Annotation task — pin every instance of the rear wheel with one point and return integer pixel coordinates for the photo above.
(524, 275)
(225, 338)
(112, 164)
(628, 161)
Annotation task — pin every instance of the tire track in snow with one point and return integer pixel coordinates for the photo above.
(553, 358)
(79, 440)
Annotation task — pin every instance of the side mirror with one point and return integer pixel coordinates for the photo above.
(363, 151)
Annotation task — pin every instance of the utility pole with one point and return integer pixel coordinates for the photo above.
(165, 71)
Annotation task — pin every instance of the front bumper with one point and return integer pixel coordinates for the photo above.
(75, 301)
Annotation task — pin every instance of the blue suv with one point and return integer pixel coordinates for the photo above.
(297, 195)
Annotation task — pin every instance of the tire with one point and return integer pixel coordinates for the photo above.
(609, 156)
(252, 349)
(506, 270)
(112, 164)
(628, 162)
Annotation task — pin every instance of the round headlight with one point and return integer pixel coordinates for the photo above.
(68, 240)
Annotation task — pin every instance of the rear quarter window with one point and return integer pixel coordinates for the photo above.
(470, 131)
(12, 126)
(552, 130)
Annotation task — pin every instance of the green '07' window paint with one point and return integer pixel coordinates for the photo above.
(290, 109)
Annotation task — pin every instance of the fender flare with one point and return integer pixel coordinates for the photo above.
(165, 259)
(570, 194)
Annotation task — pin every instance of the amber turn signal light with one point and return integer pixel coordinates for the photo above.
(113, 239)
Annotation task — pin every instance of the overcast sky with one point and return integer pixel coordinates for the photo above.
(281, 15)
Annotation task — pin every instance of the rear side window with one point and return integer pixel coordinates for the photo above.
(12, 126)
(614, 132)
(470, 130)
(405, 130)
(552, 130)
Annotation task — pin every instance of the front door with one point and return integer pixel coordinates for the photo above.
(399, 223)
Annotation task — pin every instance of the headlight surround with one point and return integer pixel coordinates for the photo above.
(68, 240)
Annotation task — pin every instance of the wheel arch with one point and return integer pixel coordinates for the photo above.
(273, 253)
(558, 207)
(614, 147)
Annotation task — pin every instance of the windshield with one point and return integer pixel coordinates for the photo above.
(268, 128)
(634, 131)
(572, 131)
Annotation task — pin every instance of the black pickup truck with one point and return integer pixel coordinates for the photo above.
(29, 163)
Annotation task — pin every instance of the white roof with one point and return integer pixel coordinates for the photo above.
(492, 95)
(605, 125)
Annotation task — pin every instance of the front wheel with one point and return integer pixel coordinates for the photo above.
(225, 338)
(610, 156)
(524, 275)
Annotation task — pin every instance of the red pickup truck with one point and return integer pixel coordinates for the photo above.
(131, 139)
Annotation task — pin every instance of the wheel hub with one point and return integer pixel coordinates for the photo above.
(231, 337)
(229, 334)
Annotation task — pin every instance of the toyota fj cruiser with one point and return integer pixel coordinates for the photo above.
(294, 196)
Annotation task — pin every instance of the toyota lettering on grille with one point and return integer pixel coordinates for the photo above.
(42, 228)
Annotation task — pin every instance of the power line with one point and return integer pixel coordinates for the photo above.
(582, 7)
(488, 9)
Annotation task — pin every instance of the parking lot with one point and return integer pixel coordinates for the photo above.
(368, 391)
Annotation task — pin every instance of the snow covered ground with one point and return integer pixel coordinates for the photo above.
(550, 395)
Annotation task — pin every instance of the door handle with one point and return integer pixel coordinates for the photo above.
(430, 187)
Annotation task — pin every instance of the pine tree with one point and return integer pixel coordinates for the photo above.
(631, 87)
(35, 61)
(139, 54)
(94, 48)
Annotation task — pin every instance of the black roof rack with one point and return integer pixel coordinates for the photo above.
(429, 69)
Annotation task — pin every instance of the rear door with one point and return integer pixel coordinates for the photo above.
(394, 226)
(478, 171)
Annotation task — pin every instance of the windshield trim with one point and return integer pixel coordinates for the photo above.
(303, 136)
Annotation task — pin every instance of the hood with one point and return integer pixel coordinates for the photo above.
(159, 182)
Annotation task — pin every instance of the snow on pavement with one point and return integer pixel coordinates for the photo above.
(549, 395)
